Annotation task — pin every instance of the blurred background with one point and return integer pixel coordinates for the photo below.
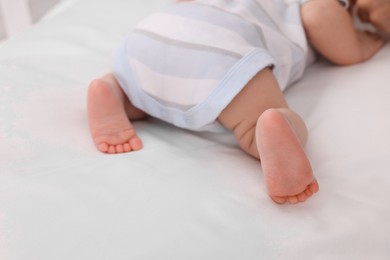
(17, 15)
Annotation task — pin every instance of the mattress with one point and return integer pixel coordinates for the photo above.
(185, 195)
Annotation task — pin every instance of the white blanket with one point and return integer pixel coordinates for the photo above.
(185, 195)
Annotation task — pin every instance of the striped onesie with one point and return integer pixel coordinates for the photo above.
(185, 63)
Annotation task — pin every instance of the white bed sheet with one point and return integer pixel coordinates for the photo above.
(185, 195)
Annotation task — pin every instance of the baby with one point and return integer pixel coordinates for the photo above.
(209, 64)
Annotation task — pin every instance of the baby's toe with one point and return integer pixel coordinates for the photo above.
(136, 144)
(308, 192)
(292, 199)
(119, 148)
(103, 147)
(302, 197)
(111, 149)
(313, 187)
(279, 200)
(126, 147)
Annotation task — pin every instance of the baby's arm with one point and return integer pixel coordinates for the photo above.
(329, 28)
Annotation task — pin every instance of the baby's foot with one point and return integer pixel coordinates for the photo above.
(110, 127)
(287, 171)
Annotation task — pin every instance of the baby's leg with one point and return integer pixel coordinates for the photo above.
(268, 130)
(109, 112)
(329, 28)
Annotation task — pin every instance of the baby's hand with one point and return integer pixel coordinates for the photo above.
(370, 43)
(376, 12)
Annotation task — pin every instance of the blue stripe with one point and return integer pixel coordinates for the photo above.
(178, 61)
(215, 16)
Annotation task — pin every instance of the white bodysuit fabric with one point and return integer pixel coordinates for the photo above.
(185, 63)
